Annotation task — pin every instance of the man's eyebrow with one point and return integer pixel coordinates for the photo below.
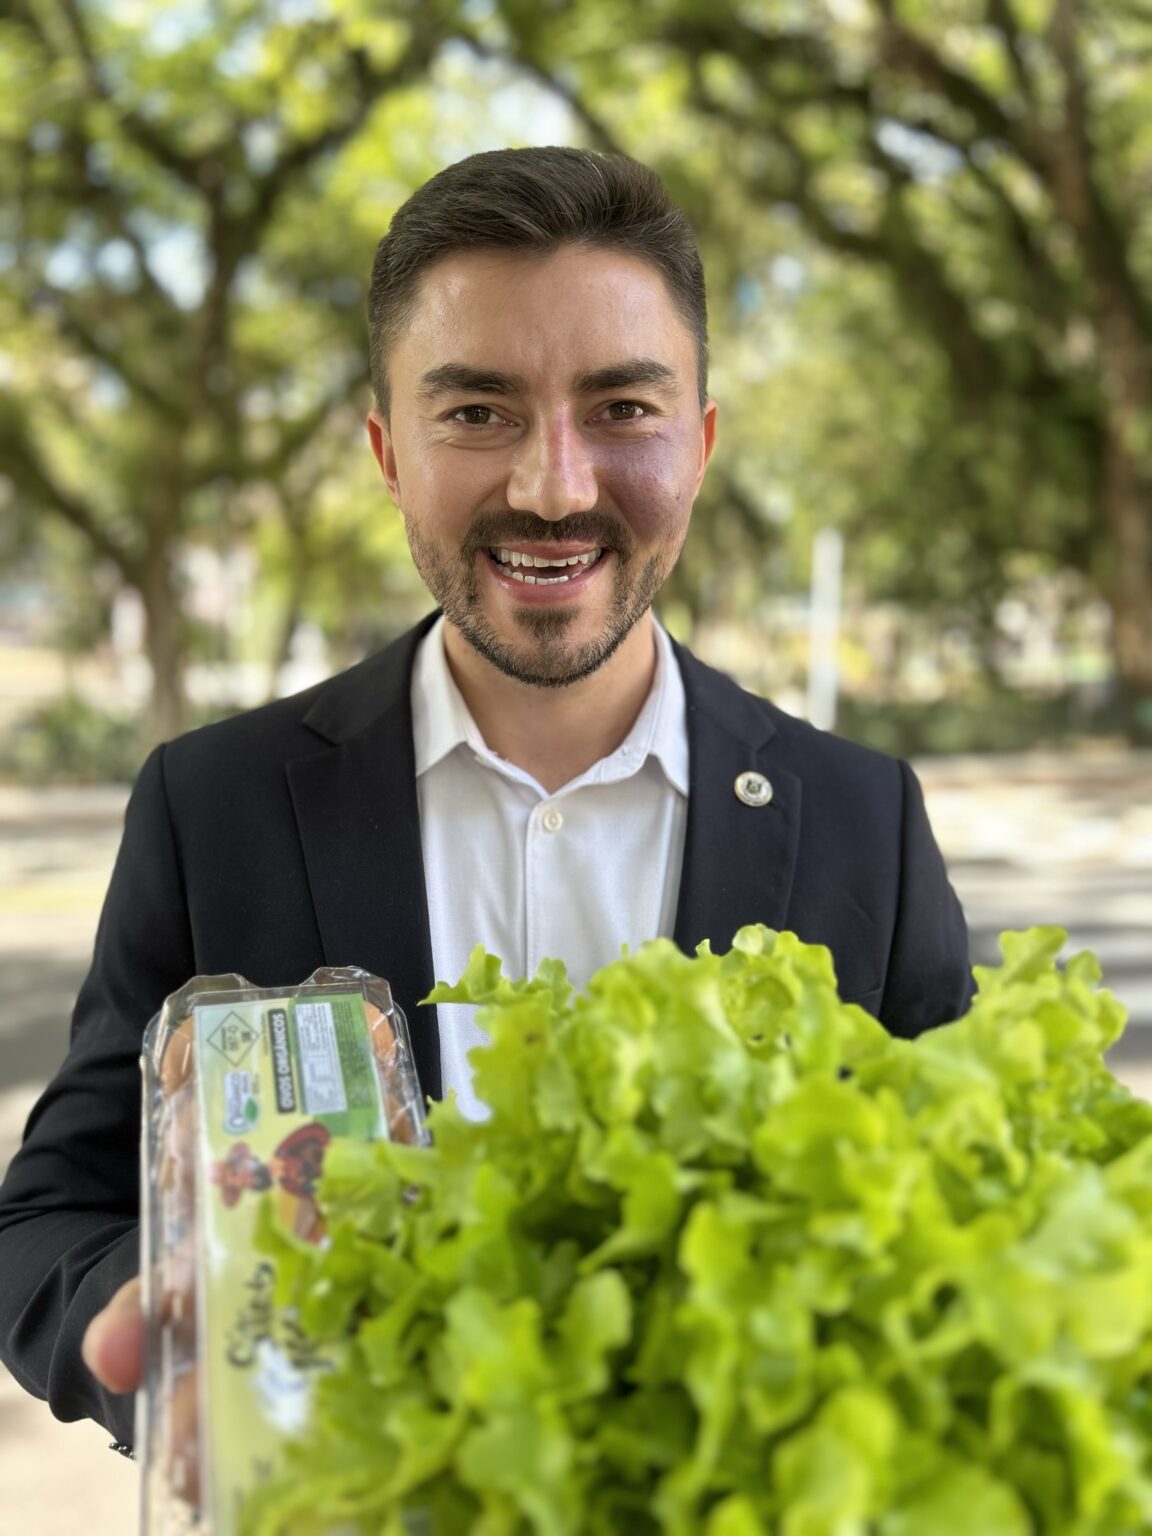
(463, 379)
(466, 379)
(635, 372)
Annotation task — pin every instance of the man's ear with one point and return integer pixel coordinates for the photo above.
(382, 451)
(707, 439)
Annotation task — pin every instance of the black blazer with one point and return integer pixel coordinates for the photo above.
(288, 838)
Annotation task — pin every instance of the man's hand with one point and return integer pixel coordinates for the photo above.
(113, 1347)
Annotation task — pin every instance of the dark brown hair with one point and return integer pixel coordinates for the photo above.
(535, 201)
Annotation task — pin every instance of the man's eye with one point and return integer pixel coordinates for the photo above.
(626, 410)
(475, 416)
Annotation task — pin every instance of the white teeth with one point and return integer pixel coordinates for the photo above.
(539, 581)
(515, 558)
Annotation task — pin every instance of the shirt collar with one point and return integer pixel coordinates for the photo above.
(440, 718)
(441, 721)
(661, 729)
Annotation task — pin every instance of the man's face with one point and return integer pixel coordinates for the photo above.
(545, 446)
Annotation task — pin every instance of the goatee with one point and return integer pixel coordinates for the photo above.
(547, 660)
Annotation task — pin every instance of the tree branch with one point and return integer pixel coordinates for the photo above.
(724, 32)
(66, 176)
(601, 136)
(1080, 198)
(232, 237)
(370, 84)
(1001, 16)
(293, 438)
(907, 52)
(28, 472)
(299, 433)
(71, 324)
(110, 206)
(144, 134)
(1134, 10)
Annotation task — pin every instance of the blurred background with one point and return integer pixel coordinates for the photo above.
(928, 240)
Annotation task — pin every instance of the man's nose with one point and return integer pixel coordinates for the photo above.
(553, 472)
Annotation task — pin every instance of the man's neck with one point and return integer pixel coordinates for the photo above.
(556, 734)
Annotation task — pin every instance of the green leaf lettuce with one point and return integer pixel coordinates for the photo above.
(729, 1260)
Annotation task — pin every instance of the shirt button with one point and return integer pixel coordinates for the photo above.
(552, 820)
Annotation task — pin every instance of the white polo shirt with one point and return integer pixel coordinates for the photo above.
(572, 875)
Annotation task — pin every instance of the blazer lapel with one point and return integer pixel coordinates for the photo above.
(359, 823)
(738, 859)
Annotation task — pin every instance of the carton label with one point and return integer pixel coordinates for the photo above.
(279, 1080)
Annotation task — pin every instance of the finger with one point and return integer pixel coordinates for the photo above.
(113, 1347)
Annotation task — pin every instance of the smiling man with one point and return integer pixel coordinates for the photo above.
(546, 491)
(537, 767)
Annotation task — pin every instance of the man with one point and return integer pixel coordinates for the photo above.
(538, 769)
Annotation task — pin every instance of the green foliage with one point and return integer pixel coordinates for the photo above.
(927, 236)
(190, 201)
(925, 230)
(973, 719)
(729, 1259)
(70, 741)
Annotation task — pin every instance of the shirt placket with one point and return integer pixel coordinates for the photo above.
(544, 873)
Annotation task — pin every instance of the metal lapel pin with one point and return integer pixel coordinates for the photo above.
(753, 789)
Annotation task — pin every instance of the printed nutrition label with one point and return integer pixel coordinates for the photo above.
(321, 1073)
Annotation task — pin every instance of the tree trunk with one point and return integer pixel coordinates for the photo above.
(1126, 500)
(1107, 246)
(1127, 511)
(163, 640)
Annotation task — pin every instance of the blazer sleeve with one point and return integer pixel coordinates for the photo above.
(929, 978)
(70, 1200)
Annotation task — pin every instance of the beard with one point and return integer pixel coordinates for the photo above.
(546, 658)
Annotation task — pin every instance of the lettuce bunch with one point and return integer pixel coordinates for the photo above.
(729, 1260)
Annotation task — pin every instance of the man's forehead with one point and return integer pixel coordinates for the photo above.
(599, 312)
(566, 263)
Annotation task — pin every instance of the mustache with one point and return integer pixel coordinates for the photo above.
(495, 530)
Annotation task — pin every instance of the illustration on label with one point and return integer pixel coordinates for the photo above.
(294, 1167)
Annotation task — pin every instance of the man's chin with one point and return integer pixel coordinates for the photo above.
(545, 655)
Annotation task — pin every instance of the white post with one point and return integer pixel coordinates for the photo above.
(824, 627)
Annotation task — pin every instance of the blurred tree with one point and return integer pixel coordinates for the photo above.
(990, 160)
(182, 250)
(191, 195)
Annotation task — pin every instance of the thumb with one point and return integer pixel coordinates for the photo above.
(113, 1347)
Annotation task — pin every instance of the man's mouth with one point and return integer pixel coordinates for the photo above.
(543, 570)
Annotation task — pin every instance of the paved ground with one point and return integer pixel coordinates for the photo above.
(56, 849)
(1034, 839)
(1045, 839)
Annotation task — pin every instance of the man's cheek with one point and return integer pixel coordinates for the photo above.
(653, 491)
